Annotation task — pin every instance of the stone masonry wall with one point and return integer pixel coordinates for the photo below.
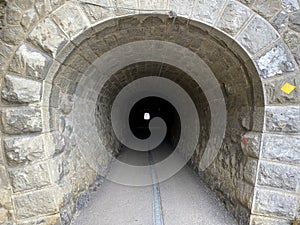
(43, 182)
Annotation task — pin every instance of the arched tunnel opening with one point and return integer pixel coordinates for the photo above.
(210, 72)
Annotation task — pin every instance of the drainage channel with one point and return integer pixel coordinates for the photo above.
(157, 206)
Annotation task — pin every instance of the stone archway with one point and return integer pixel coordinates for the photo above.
(48, 167)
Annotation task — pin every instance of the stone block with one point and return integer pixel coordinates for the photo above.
(244, 193)
(152, 4)
(260, 220)
(281, 148)
(30, 62)
(250, 170)
(291, 38)
(71, 19)
(283, 119)
(29, 18)
(23, 150)
(207, 11)
(279, 176)
(29, 177)
(12, 34)
(280, 21)
(251, 144)
(275, 204)
(48, 36)
(49, 220)
(37, 203)
(294, 21)
(20, 90)
(234, 17)
(4, 183)
(267, 8)
(43, 7)
(274, 93)
(21, 120)
(275, 61)
(181, 7)
(290, 5)
(296, 54)
(253, 38)
(13, 14)
(95, 12)
(25, 4)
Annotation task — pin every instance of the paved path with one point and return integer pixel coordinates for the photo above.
(185, 200)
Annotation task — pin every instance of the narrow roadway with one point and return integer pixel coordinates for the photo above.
(184, 200)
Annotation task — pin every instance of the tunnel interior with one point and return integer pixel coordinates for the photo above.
(84, 104)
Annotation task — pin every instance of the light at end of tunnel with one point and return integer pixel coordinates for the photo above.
(146, 116)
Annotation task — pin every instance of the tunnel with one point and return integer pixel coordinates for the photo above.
(119, 115)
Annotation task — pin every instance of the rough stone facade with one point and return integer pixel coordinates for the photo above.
(51, 158)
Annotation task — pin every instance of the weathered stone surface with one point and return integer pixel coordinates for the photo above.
(275, 203)
(250, 170)
(50, 220)
(48, 36)
(267, 8)
(207, 11)
(276, 61)
(21, 120)
(71, 19)
(281, 148)
(274, 93)
(244, 193)
(35, 203)
(296, 54)
(290, 5)
(25, 4)
(279, 176)
(283, 119)
(247, 2)
(251, 144)
(30, 62)
(4, 183)
(21, 90)
(29, 18)
(13, 14)
(253, 38)
(291, 38)
(43, 7)
(260, 220)
(23, 150)
(181, 7)
(234, 17)
(295, 21)
(29, 177)
(152, 4)
(280, 21)
(96, 13)
(12, 34)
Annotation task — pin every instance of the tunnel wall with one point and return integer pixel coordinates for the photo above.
(36, 38)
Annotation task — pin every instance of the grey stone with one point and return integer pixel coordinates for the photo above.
(82, 200)
(181, 7)
(281, 148)
(275, 61)
(13, 14)
(283, 119)
(29, 18)
(25, 4)
(12, 34)
(260, 220)
(71, 19)
(244, 193)
(21, 90)
(23, 150)
(30, 62)
(290, 5)
(96, 13)
(291, 38)
(207, 11)
(280, 21)
(253, 38)
(275, 204)
(35, 203)
(234, 17)
(251, 144)
(48, 36)
(296, 54)
(21, 120)
(279, 176)
(250, 170)
(267, 8)
(295, 21)
(49, 220)
(43, 7)
(247, 2)
(29, 177)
